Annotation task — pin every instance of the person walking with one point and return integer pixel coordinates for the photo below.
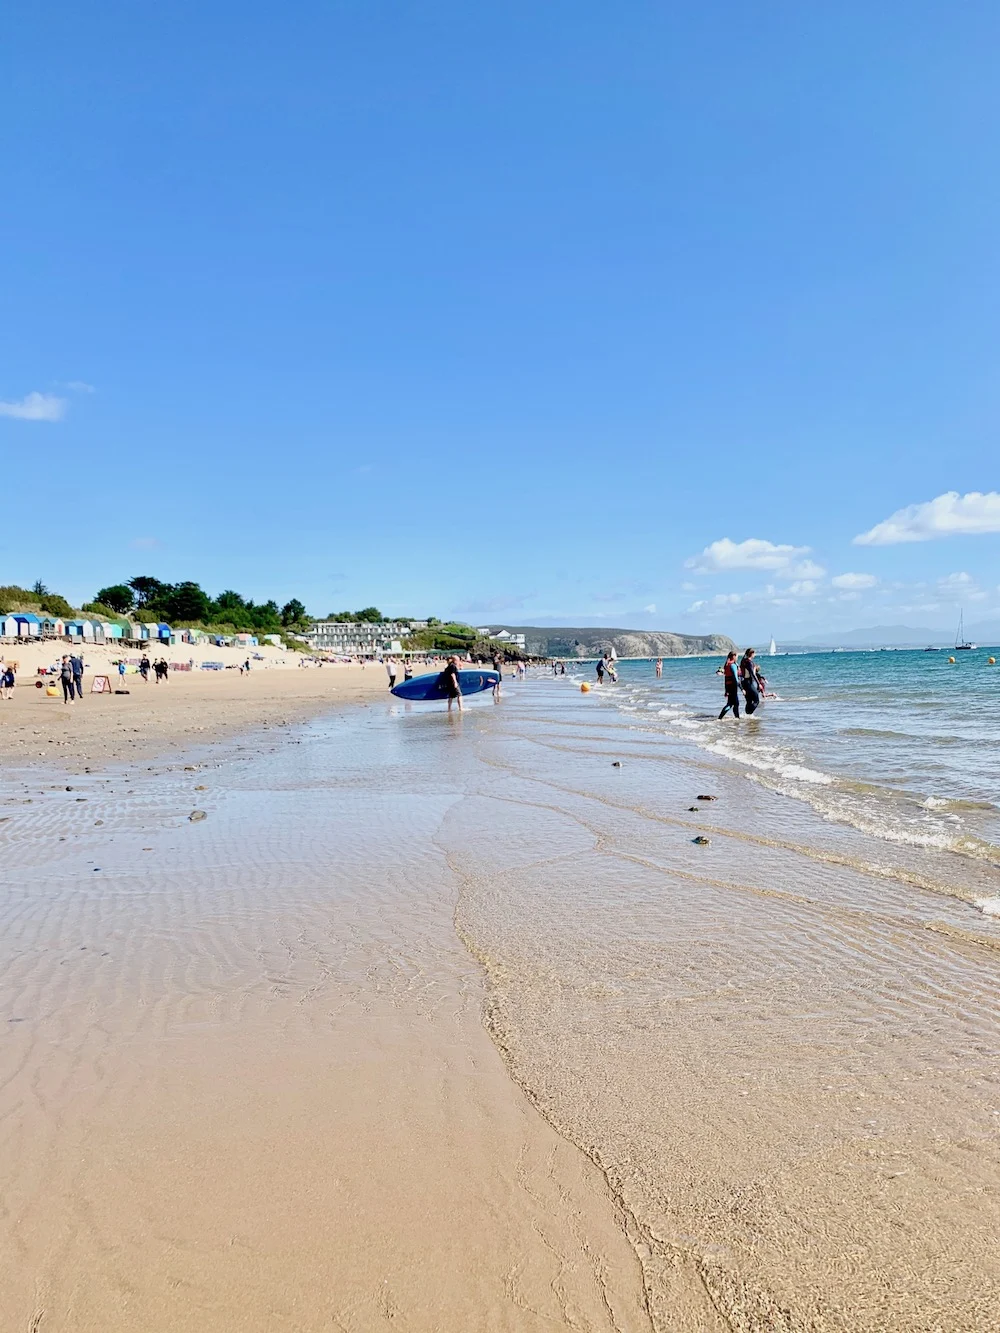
(77, 664)
(7, 680)
(731, 684)
(391, 670)
(144, 667)
(121, 673)
(66, 680)
(752, 681)
(498, 668)
(449, 679)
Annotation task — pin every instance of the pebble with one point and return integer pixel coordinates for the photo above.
(616, 763)
(700, 841)
(197, 815)
(706, 798)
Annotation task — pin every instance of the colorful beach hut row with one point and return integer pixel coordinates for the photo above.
(18, 625)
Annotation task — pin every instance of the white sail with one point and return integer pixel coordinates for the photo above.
(772, 648)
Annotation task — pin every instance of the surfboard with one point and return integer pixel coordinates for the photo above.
(422, 688)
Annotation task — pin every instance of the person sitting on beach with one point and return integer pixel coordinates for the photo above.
(449, 679)
(731, 684)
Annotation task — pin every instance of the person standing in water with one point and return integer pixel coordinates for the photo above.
(498, 668)
(753, 682)
(731, 684)
(659, 667)
(449, 679)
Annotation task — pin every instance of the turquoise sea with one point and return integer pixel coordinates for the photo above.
(903, 745)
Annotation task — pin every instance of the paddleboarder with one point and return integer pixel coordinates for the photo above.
(449, 679)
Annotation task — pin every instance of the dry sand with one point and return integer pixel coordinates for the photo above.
(190, 708)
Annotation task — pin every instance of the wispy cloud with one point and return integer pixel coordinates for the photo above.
(80, 386)
(945, 516)
(724, 556)
(854, 582)
(35, 407)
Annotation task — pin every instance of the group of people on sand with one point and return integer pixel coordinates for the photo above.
(742, 677)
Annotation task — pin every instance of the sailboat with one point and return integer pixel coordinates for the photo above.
(772, 648)
(961, 643)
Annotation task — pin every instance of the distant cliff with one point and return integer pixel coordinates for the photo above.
(557, 641)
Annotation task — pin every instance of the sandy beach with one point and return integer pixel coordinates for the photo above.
(189, 708)
(443, 1023)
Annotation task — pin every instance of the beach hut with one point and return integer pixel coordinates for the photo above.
(52, 627)
(245, 641)
(126, 630)
(163, 632)
(29, 626)
(112, 630)
(98, 629)
(73, 629)
(8, 627)
(87, 630)
(152, 629)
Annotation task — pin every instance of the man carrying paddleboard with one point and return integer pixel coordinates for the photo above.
(449, 679)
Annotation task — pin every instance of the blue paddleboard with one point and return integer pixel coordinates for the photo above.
(432, 687)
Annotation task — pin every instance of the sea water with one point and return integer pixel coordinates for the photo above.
(904, 745)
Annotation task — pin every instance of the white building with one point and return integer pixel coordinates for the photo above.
(356, 638)
(503, 636)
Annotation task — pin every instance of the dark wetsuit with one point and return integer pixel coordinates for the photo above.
(751, 687)
(731, 676)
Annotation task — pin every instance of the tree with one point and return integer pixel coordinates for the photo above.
(118, 596)
(371, 615)
(293, 612)
(342, 617)
(54, 605)
(39, 588)
(149, 591)
(229, 601)
(187, 601)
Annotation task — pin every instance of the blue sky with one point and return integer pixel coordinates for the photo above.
(521, 313)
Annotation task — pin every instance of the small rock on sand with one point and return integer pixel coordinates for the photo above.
(197, 815)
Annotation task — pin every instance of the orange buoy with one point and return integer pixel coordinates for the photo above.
(992, 661)
(951, 659)
(584, 688)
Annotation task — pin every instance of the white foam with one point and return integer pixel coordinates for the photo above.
(989, 906)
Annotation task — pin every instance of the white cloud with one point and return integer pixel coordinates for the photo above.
(945, 516)
(802, 588)
(725, 555)
(35, 407)
(689, 587)
(854, 582)
(80, 386)
(650, 609)
(959, 580)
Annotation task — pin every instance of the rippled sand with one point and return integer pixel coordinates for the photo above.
(247, 1083)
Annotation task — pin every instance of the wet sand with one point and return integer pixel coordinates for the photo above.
(245, 1082)
(445, 1023)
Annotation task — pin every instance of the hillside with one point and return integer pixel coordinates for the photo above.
(588, 641)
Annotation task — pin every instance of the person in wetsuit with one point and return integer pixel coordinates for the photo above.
(752, 681)
(731, 683)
